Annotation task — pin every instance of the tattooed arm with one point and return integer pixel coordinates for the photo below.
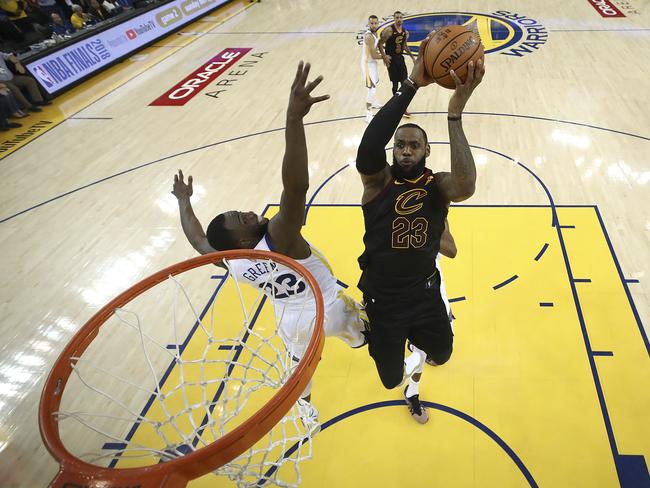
(460, 183)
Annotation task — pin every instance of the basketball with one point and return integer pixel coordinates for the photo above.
(452, 47)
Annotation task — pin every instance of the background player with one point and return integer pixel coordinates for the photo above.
(369, 56)
(405, 206)
(392, 44)
(234, 230)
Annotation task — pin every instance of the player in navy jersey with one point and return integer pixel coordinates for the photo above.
(392, 45)
(404, 207)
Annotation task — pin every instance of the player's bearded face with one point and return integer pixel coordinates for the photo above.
(245, 228)
(249, 236)
(408, 171)
(409, 152)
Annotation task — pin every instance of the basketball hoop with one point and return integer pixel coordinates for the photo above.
(250, 367)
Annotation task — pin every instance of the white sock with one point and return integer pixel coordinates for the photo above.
(413, 388)
(370, 98)
(414, 362)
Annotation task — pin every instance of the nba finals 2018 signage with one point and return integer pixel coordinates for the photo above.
(503, 32)
(79, 60)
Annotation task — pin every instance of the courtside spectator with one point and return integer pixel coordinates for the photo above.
(81, 19)
(60, 26)
(20, 79)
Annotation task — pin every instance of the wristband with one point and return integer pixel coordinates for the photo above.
(454, 118)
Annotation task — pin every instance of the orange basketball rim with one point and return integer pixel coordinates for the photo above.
(74, 472)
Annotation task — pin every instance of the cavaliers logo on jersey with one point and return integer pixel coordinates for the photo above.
(399, 41)
(410, 201)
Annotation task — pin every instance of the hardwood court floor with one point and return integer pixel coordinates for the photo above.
(549, 382)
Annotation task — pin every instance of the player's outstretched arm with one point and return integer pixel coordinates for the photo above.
(285, 226)
(459, 185)
(371, 155)
(191, 225)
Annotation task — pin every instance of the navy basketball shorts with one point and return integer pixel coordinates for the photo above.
(397, 69)
(419, 317)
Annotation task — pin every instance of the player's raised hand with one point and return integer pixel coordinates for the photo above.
(181, 189)
(300, 99)
(419, 74)
(475, 72)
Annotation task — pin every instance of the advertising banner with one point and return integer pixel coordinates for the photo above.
(62, 68)
(186, 89)
(606, 8)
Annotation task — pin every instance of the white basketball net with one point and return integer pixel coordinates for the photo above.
(139, 409)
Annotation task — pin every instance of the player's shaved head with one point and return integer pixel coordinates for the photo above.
(415, 126)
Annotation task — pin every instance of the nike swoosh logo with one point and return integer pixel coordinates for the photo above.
(398, 93)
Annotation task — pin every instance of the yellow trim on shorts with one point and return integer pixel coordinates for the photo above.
(368, 78)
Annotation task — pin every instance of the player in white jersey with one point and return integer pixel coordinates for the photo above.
(342, 317)
(369, 56)
(282, 234)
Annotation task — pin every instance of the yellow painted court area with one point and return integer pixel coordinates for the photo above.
(517, 405)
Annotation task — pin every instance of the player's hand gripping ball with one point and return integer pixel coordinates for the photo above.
(451, 47)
